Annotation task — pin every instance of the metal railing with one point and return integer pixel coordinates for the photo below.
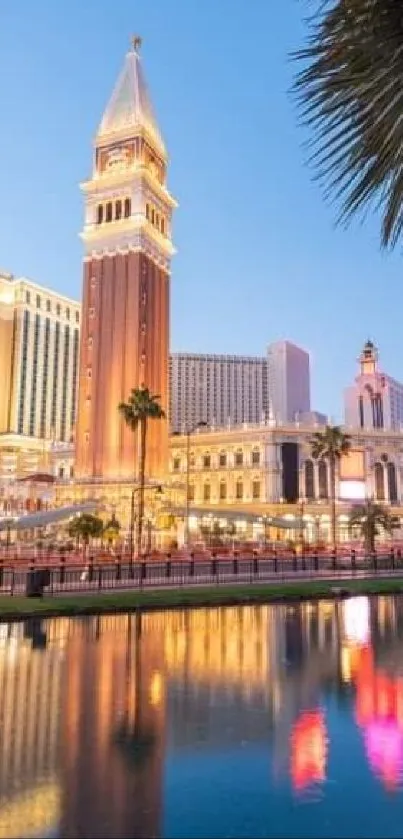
(104, 576)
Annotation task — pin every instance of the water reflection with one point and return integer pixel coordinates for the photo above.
(202, 723)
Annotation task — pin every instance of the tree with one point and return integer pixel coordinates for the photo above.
(112, 529)
(140, 407)
(368, 518)
(330, 444)
(85, 527)
(350, 93)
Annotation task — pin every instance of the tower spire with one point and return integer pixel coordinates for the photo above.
(136, 43)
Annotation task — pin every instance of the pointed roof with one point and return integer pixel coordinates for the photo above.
(129, 107)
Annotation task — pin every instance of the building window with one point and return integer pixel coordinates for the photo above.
(32, 413)
(176, 464)
(48, 306)
(58, 309)
(128, 207)
(74, 384)
(239, 490)
(91, 312)
(27, 296)
(100, 214)
(361, 411)
(67, 314)
(38, 301)
(223, 491)
(222, 459)
(152, 216)
(147, 212)
(61, 471)
(206, 461)
(77, 317)
(55, 375)
(45, 379)
(109, 211)
(191, 492)
(206, 492)
(66, 358)
(256, 457)
(239, 458)
(256, 490)
(118, 210)
(392, 482)
(322, 480)
(163, 226)
(23, 380)
(309, 480)
(89, 373)
(379, 482)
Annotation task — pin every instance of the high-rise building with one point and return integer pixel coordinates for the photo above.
(232, 389)
(125, 313)
(39, 348)
(375, 400)
(289, 381)
(217, 389)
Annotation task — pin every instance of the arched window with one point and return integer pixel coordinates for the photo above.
(223, 491)
(100, 214)
(379, 482)
(309, 480)
(392, 483)
(128, 207)
(206, 492)
(61, 471)
(255, 457)
(239, 490)
(118, 210)
(322, 479)
(239, 458)
(361, 411)
(109, 211)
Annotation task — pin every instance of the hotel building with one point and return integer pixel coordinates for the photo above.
(228, 390)
(39, 349)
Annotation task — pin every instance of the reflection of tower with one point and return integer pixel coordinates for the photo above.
(113, 733)
(127, 240)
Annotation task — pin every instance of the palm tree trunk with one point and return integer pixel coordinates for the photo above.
(332, 465)
(142, 470)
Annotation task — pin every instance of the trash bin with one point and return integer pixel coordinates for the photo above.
(36, 582)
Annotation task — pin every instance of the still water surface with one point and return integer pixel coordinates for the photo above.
(234, 722)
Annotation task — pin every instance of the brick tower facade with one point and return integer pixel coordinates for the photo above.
(125, 313)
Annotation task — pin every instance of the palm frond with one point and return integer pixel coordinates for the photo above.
(350, 95)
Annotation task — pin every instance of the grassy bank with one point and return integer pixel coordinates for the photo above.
(87, 604)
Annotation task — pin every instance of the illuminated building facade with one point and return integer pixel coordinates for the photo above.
(125, 310)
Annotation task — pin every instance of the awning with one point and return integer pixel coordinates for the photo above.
(238, 515)
(47, 517)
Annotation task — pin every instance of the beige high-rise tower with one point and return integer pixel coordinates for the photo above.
(125, 313)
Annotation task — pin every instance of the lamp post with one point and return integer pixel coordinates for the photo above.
(158, 490)
(189, 432)
(301, 523)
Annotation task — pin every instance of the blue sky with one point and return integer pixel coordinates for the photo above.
(258, 256)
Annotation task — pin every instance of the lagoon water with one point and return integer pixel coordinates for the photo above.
(230, 722)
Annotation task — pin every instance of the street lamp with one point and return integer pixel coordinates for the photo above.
(189, 433)
(158, 490)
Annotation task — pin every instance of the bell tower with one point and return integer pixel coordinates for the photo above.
(127, 254)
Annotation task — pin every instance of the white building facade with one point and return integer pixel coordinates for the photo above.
(375, 400)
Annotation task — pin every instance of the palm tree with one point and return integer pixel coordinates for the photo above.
(350, 93)
(330, 444)
(367, 518)
(140, 407)
(85, 527)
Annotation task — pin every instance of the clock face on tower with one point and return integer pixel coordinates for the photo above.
(117, 159)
